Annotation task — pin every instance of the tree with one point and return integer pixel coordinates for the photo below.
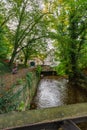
(5, 46)
(70, 31)
(35, 49)
(24, 24)
(77, 31)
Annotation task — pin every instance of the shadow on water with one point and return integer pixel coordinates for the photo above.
(53, 91)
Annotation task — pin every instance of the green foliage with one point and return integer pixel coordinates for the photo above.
(7, 100)
(28, 106)
(29, 79)
(21, 106)
(29, 29)
(20, 81)
(67, 24)
(4, 45)
(3, 68)
(11, 100)
(38, 70)
(60, 69)
(70, 35)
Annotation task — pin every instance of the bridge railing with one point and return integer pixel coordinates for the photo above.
(42, 118)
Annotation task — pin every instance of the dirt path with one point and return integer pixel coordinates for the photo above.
(9, 78)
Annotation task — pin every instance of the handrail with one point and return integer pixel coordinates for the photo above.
(41, 116)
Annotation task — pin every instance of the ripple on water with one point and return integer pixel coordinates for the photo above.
(55, 92)
(49, 93)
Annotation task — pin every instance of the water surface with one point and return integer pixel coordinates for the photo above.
(54, 92)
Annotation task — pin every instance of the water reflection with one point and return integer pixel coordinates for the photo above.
(55, 92)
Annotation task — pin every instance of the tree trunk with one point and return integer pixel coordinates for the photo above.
(74, 69)
(25, 62)
(12, 58)
(26, 59)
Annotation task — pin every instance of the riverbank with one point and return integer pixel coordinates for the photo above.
(8, 79)
(17, 90)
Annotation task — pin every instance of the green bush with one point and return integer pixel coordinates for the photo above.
(38, 70)
(60, 69)
(21, 106)
(7, 100)
(29, 79)
(3, 68)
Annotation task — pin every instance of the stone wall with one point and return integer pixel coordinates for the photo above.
(27, 92)
(20, 94)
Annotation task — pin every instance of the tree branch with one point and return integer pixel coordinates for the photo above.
(29, 42)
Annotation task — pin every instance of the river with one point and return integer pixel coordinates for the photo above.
(53, 91)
